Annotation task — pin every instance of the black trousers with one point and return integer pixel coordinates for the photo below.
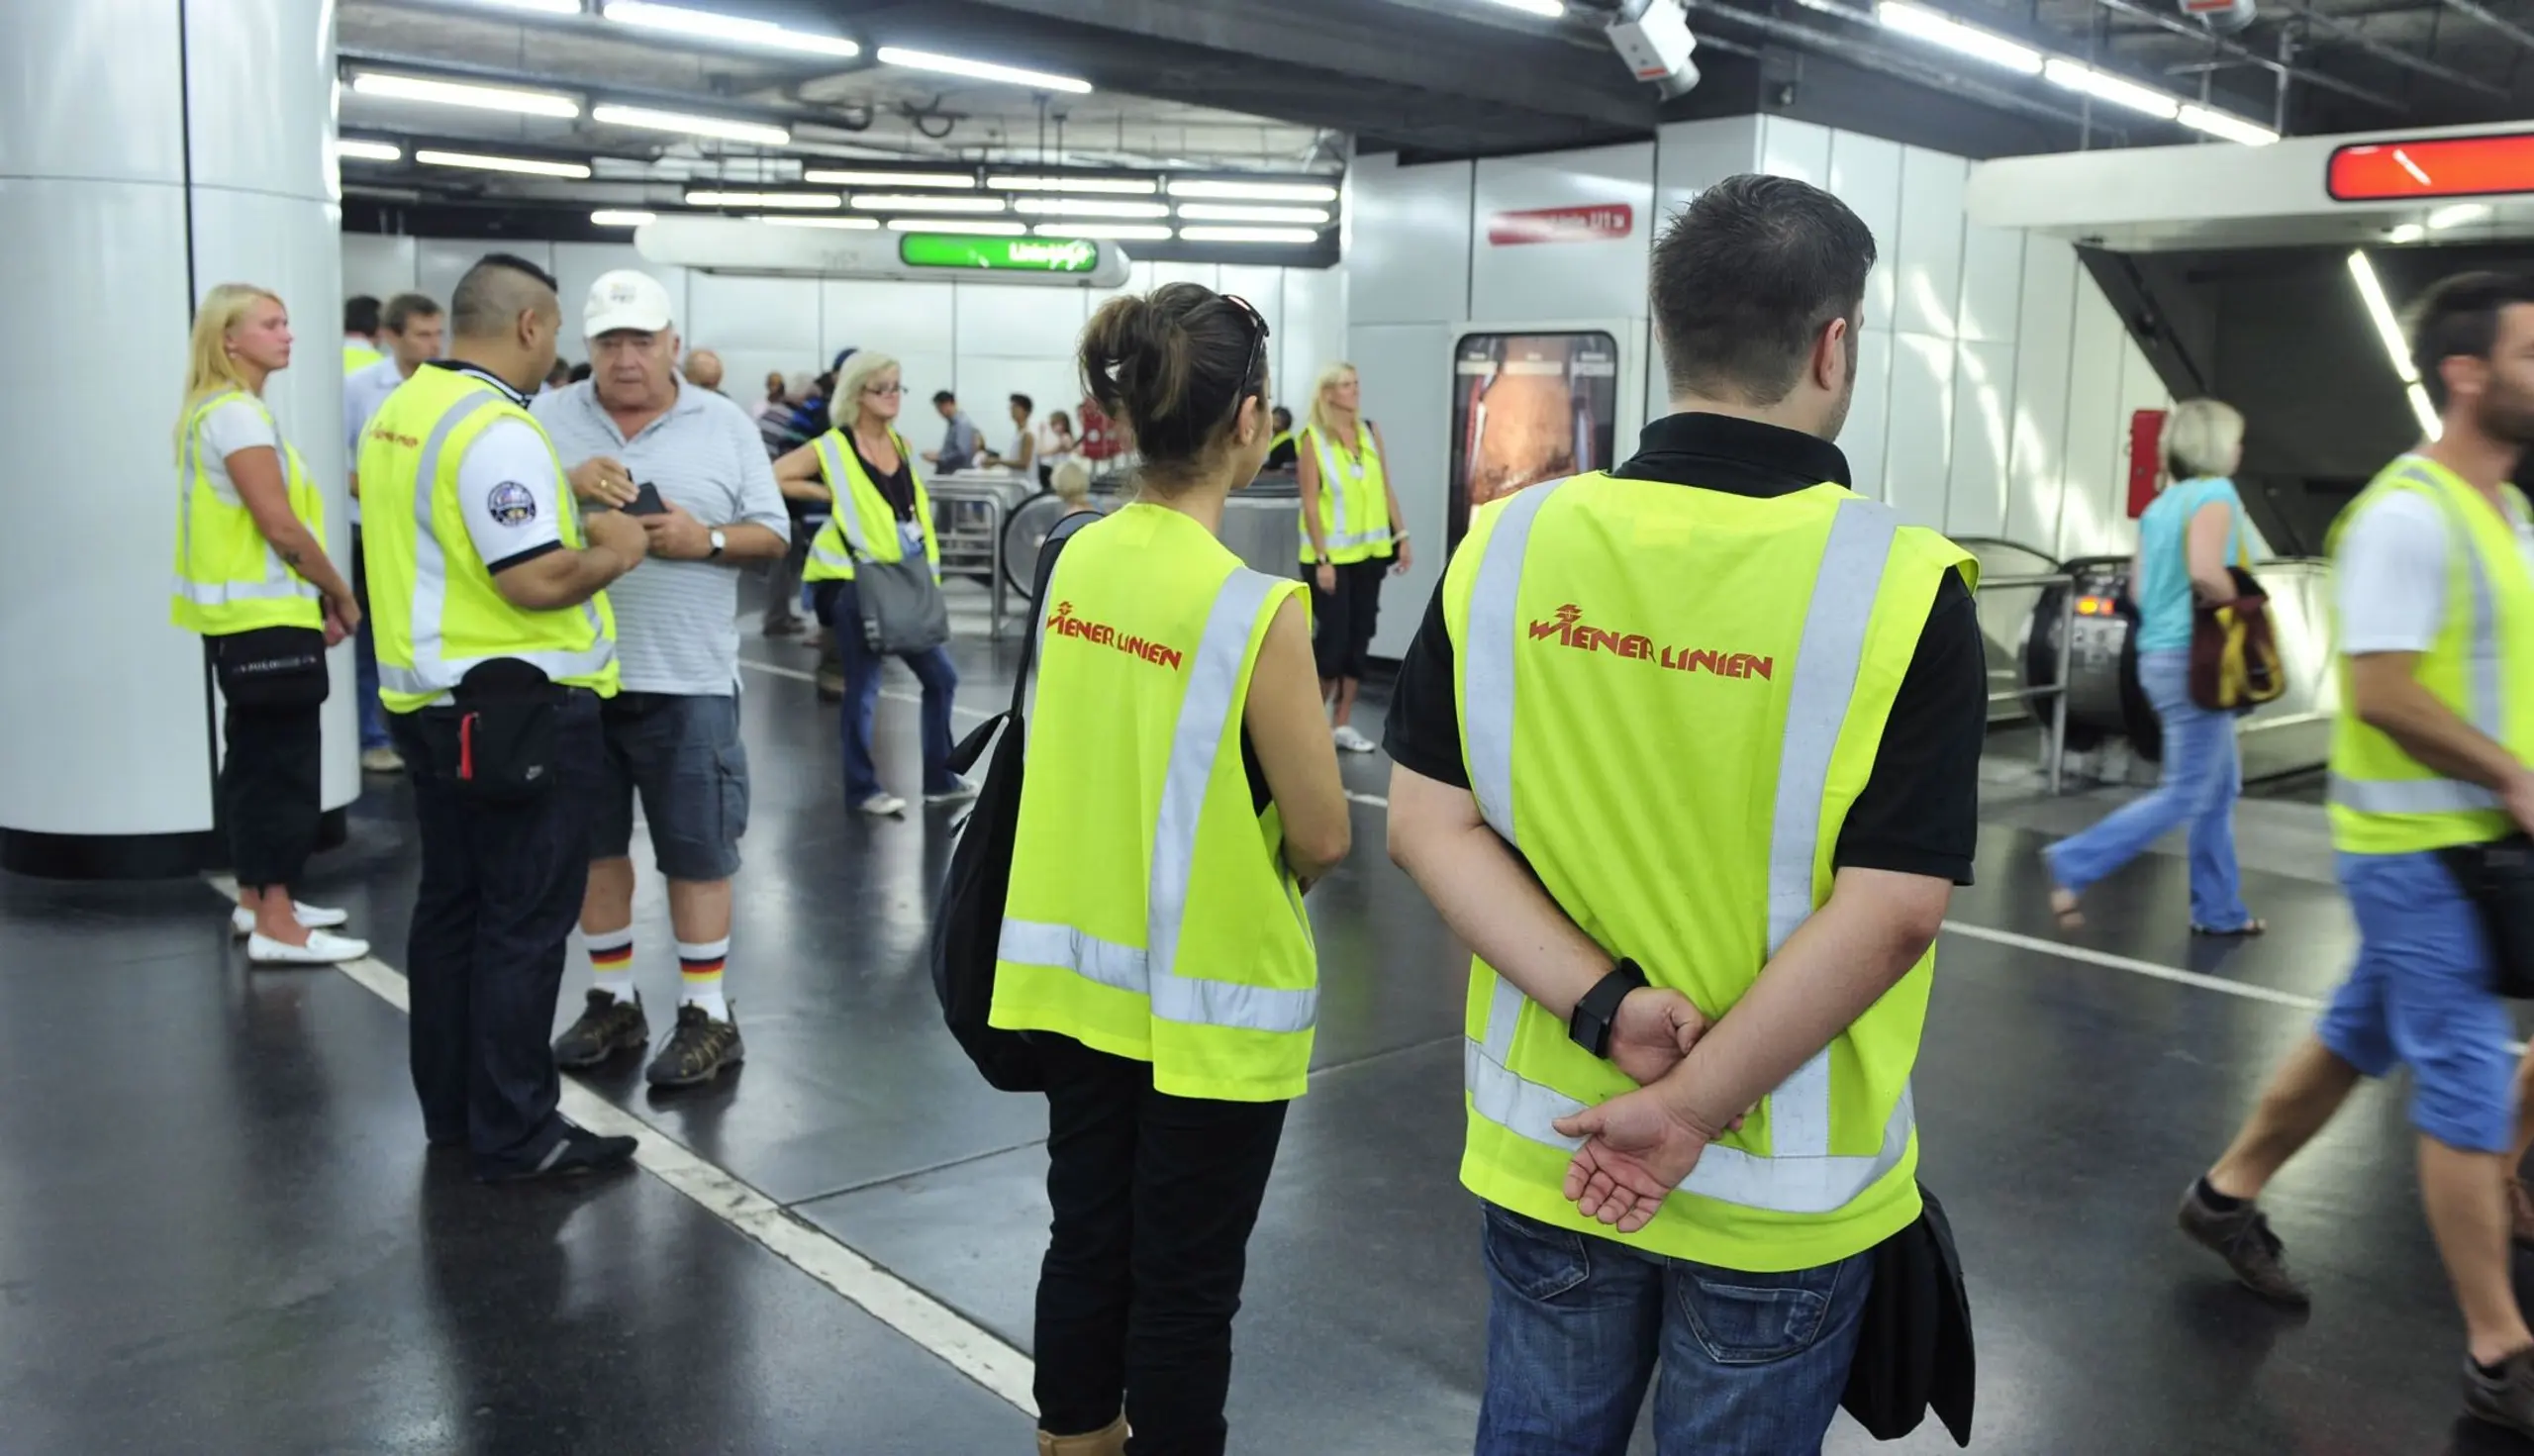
(270, 782)
(501, 890)
(1342, 622)
(1154, 1198)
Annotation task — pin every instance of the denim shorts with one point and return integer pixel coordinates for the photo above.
(682, 755)
(2420, 997)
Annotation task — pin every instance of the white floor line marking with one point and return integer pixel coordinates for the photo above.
(800, 675)
(971, 1349)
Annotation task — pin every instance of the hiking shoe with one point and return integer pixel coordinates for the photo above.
(606, 1026)
(576, 1152)
(698, 1051)
(2242, 1239)
(2506, 1398)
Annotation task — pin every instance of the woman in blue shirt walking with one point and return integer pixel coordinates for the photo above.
(2186, 540)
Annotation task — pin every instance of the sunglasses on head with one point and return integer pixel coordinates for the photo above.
(1257, 348)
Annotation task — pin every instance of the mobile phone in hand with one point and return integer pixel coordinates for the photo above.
(646, 501)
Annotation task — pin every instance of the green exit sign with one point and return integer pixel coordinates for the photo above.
(1022, 255)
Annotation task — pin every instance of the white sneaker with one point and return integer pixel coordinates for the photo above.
(241, 920)
(381, 759)
(882, 805)
(1350, 741)
(323, 948)
(959, 792)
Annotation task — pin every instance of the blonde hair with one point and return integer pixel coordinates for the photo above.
(844, 405)
(1071, 481)
(2203, 437)
(209, 370)
(1320, 421)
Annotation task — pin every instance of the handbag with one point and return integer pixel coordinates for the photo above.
(1914, 1350)
(505, 731)
(271, 669)
(2235, 666)
(2497, 877)
(967, 926)
(903, 609)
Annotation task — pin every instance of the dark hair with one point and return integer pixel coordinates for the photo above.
(942, 397)
(1745, 278)
(1176, 365)
(1028, 406)
(405, 308)
(560, 373)
(494, 292)
(1284, 417)
(2460, 316)
(579, 371)
(360, 314)
(1053, 416)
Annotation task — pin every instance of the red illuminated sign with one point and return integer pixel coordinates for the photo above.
(2445, 166)
(1595, 224)
(2146, 458)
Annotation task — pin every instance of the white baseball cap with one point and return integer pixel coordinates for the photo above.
(625, 298)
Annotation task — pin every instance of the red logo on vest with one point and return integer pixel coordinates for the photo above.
(1062, 623)
(1570, 630)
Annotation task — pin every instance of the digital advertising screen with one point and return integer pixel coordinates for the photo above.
(1527, 407)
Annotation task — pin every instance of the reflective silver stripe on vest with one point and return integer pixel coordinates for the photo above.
(433, 672)
(1802, 1176)
(1337, 536)
(2411, 796)
(848, 513)
(1213, 693)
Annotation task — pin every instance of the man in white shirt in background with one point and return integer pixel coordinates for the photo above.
(413, 329)
(673, 733)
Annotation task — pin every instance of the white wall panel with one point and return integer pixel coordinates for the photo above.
(259, 75)
(1918, 434)
(1865, 173)
(2091, 518)
(1794, 149)
(1984, 382)
(2044, 322)
(379, 265)
(1991, 282)
(1928, 274)
(1407, 388)
(88, 91)
(1205, 275)
(1692, 156)
(1597, 280)
(1869, 413)
(1017, 321)
(1407, 242)
(754, 324)
(901, 318)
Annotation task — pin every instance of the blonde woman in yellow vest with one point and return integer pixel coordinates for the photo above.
(1182, 792)
(1352, 536)
(254, 579)
(2432, 755)
(879, 511)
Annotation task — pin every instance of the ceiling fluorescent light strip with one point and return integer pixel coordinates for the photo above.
(982, 71)
(2225, 125)
(1215, 212)
(946, 182)
(854, 225)
(2380, 311)
(810, 200)
(891, 202)
(1090, 207)
(1544, 9)
(2458, 215)
(729, 29)
(1937, 29)
(978, 226)
(355, 149)
(483, 162)
(534, 6)
(460, 93)
(618, 217)
(1253, 191)
(1294, 236)
(2103, 86)
(689, 124)
(1123, 186)
(1120, 232)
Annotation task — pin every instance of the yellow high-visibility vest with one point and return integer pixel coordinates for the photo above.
(1354, 498)
(434, 609)
(228, 578)
(859, 518)
(1672, 737)
(2480, 666)
(1150, 913)
(358, 356)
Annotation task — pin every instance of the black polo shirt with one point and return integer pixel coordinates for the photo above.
(1919, 813)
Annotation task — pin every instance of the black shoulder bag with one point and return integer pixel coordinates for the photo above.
(2499, 879)
(271, 669)
(967, 924)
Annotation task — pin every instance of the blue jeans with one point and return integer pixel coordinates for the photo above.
(932, 669)
(1577, 1325)
(2203, 775)
(373, 714)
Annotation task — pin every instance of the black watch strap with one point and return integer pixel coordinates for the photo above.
(1597, 1012)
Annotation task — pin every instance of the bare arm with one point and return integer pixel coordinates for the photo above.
(2386, 694)
(1397, 523)
(1282, 715)
(568, 578)
(2205, 552)
(1307, 479)
(1486, 896)
(749, 542)
(797, 475)
(255, 472)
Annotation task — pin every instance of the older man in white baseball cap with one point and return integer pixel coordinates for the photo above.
(691, 462)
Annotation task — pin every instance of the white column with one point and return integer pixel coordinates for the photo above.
(148, 150)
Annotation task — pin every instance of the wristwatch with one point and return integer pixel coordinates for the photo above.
(1599, 1009)
(715, 537)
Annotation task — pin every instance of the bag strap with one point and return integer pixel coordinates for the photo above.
(1047, 554)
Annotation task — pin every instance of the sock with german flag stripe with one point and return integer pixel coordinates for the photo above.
(612, 961)
(699, 968)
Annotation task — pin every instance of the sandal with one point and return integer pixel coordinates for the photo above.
(2063, 907)
(2244, 932)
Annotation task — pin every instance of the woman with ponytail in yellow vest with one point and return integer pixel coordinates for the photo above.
(1351, 540)
(1185, 794)
(254, 579)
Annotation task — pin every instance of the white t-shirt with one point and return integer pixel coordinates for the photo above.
(512, 493)
(2391, 574)
(234, 423)
(1050, 453)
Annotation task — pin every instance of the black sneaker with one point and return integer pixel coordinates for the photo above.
(606, 1026)
(2506, 1398)
(577, 1152)
(698, 1051)
(2242, 1237)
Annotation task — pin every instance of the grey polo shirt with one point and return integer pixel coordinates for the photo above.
(677, 621)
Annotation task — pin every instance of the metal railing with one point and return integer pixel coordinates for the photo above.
(2056, 692)
(969, 521)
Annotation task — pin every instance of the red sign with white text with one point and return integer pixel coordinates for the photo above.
(1595, 223)
(2146, 458)
(2445, 166)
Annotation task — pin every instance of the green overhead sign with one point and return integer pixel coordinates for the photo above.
(1007, 254)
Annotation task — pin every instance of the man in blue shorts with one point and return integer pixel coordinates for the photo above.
(2436, 728)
